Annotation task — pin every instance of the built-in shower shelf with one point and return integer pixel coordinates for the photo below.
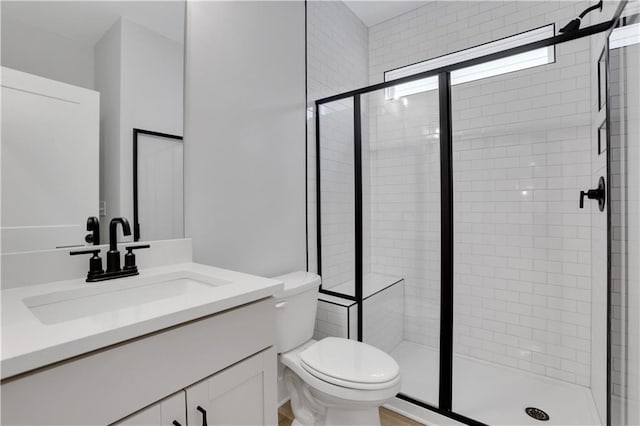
(382, 311)
(372, 283)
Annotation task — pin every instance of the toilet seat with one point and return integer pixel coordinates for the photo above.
(350, 364)
(379, 393)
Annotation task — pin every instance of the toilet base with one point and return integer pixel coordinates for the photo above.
(337, 417)
(313, 408)
(365, 417)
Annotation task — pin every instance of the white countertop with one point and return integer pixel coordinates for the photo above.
(28, 344)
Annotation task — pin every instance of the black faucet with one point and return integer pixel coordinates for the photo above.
(113, 255)
(93, 226)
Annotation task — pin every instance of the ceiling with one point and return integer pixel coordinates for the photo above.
(87, 21)
(374, 12)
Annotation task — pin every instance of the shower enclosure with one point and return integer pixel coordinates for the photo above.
(451, 233)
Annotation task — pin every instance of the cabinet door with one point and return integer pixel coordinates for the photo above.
(168, 412)
(243, 394)
(173, 410)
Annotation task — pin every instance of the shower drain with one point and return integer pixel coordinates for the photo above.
(537, 414)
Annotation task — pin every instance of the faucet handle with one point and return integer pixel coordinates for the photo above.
(139, 246)
(93, 226)
(130, 258)
(95, 263)
(92, 251)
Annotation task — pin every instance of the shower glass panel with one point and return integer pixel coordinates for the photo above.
(401, 233)
(337, 206)
(522, 151)
(624, 127)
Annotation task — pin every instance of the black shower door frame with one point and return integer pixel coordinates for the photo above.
(445, 394)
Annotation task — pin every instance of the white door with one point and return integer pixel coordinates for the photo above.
(50, 161)
(160, 188)
(243, 394)
(168, 412)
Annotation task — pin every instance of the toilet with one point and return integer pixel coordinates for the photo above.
(333, 381)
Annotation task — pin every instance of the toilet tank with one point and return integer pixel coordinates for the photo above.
(296, 306)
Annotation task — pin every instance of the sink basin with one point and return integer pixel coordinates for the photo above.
(112, 296)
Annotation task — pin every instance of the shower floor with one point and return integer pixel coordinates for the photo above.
(491, 393)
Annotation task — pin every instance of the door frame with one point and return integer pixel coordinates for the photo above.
(136, 132)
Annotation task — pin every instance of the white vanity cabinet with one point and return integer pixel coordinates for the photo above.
(170, 411)
(242, 394)
(225, 362)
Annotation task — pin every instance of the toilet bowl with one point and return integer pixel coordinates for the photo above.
(333, 381)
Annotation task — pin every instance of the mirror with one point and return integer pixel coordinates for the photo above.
(81, 81)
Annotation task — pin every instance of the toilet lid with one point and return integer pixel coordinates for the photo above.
(344, 362)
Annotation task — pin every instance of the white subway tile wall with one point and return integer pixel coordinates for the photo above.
(521, 153)
(625, 215)
(618, 222)
(522, 146)
(337, 192)
(404, 157)
(337, 60)
(332, 319)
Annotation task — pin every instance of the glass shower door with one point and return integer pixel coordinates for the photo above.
(529, 271)
(623, 99)
(337, 257)
(401, 231)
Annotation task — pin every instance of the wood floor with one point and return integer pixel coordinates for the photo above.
(387, 417)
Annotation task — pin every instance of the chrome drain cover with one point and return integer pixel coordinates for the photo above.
(537, 414)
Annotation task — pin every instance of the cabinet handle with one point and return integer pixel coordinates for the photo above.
(204, 415)
(176, 423)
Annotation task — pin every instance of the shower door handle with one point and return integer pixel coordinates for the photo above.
(598, 193)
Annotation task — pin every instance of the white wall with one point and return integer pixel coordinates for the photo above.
(245, 135)
(152, 94)
(108, 83)
(30, 49)
(140, 74)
